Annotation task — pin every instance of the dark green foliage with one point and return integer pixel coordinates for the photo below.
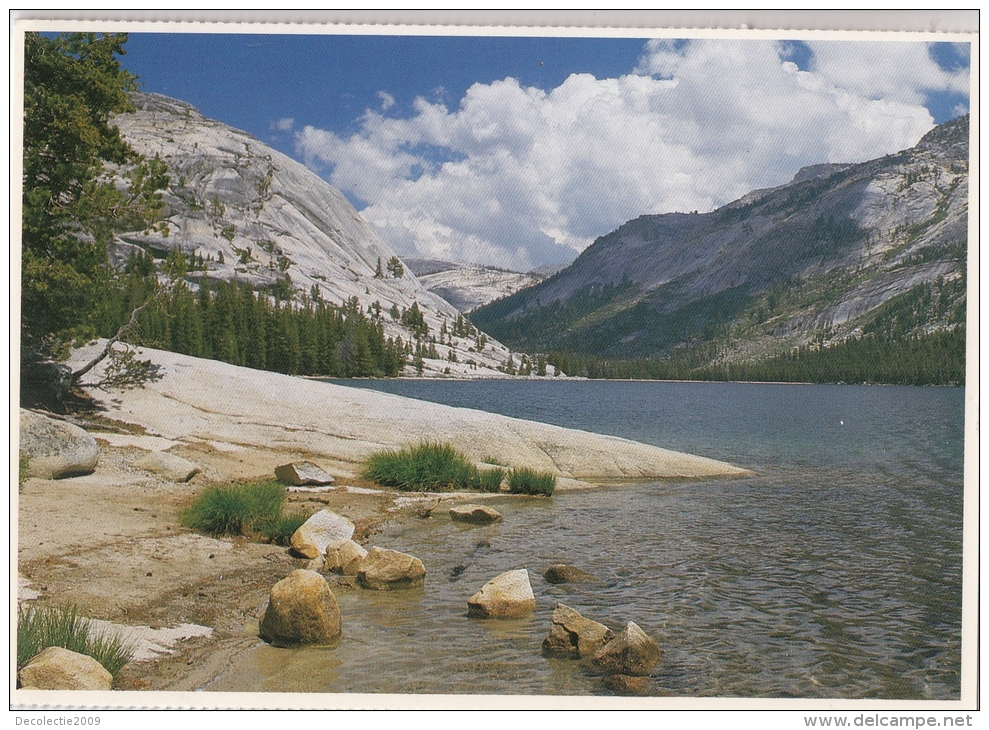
(253, 510)
(233, 323)
(490, 479)
(73, 84)
(428, 467)
(523, 480)
(39, 627)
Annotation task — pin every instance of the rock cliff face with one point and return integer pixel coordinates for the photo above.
(255, 215)
(469, 286)
(812, 260)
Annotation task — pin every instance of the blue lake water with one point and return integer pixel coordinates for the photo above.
(835, 571)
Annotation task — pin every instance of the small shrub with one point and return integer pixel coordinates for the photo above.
(39, 627)
(254, 510)
(490, 480)
(523, 480)
(422, 468)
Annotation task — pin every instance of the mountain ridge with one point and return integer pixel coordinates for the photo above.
(781, 268)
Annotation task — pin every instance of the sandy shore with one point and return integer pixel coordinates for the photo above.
(111, 542)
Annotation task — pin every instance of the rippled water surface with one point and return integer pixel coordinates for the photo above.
(834, 572)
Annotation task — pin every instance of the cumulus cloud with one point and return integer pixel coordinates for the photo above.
(518, 177)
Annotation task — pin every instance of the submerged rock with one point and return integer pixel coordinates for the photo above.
(573, 636)
(509, 595)
(384, 570)
(56, 449)
(344, 557)
(302, 473)
(632, 652)
(626, 685)
(61, 669)
(475, 514)
(562, 573)
(301, 610)
(170, 466)
(323, 528)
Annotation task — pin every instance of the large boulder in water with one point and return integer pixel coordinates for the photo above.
(573, 636)
(301, 610)
(475, 514)
(509, 595)
(61, 669)
(632, 652)
(56, 449)
(385, 570)
(344, 557)
(324, 527)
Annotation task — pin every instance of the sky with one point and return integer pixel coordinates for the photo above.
(519, 151)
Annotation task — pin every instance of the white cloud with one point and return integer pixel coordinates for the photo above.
(285, 124)
(387, 100)
(518, 176)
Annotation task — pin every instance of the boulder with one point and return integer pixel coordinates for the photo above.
(475, 514)
(626, 685)
(301, 610)
(170, 466)
(632, 652)
(302, 473)
(574, 636)
(324, 527)
(58, 668)
(507, 596)
(344, 557)
(562, 573)
(56, 449)
(386, 570)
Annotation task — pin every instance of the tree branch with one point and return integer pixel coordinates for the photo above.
(77, 374)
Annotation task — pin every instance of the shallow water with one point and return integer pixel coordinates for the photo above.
(834, 572)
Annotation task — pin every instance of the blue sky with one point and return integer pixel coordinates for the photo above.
(520, 151)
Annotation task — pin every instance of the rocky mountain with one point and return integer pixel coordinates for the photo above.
(249, 213)
(469, 286)
(840, 251)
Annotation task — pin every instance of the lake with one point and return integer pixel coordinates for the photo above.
(834, 572)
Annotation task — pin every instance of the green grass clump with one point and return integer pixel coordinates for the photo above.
(428, 467)
(39, 627)
(523, 480)
(489, 480)
(254, 510)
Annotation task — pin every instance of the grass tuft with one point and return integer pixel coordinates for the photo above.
(523, 480)
(254, 510)
(490, 480)
(39, 627)
(428, 467)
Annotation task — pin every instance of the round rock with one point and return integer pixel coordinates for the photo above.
(301, 610)
(56, 449)
(58, 668)
(344, 557)
(386, 570)
(475, 514)
(323, 528)
(562, 573)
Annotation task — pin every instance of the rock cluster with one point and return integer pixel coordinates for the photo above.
(61, 669)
